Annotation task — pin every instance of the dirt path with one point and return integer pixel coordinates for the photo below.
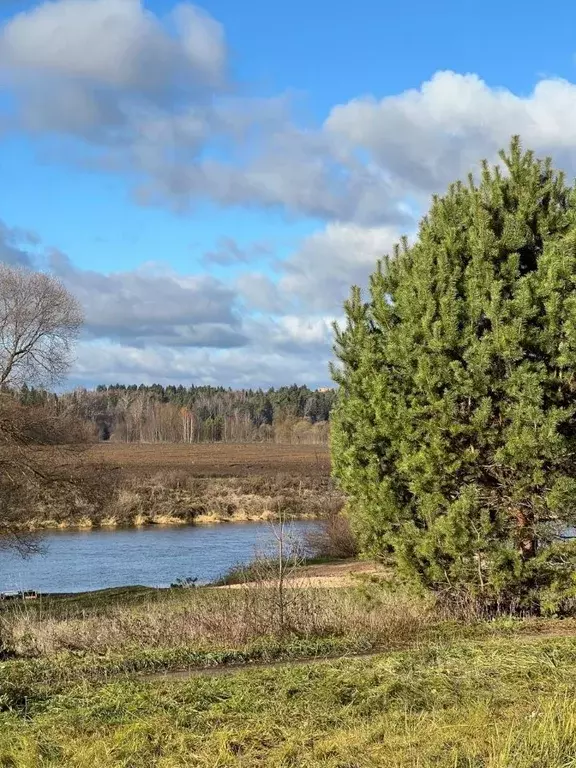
(341, 574)
(228, 669)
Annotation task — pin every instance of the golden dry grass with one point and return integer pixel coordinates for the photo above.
(220, 618)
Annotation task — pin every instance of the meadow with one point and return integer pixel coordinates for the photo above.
(356, 677)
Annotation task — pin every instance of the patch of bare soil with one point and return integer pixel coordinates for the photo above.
(342, 574)
(214, 459)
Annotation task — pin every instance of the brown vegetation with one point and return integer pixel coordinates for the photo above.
(215, 459)
(42, 468)
(40, 445)
(334, 537)
(176, 497)
(171, 484)
(219, 618)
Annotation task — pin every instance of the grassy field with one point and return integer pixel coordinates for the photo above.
(498, 704)
(91, 681)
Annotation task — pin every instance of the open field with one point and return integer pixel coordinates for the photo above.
(215, 459)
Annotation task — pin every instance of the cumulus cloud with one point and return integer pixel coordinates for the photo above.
(427, 137)
(319, 274)
(299, 171)
(372, 161)
(109, 71)
(114, 43)
(237, 368)
(152, 324)
(153, 306)
(151, 97)
(148, 95)
(300, 336)
(260, 293)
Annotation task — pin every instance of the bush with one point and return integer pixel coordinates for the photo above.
(332, 538)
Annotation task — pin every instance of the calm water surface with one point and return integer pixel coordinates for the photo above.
(75, 561)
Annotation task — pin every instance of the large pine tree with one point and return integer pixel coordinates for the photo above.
(455, 430)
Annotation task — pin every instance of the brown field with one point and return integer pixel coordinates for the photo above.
(175, 483)
(215, 459)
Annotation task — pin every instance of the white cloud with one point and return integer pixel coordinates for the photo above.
(153, 306)
(152, 324)
(110, 363)
(148, 95)
(112, 74)
(114, 43)
(428, 137)
(202, 40)
(319, 274)
(259, 292)
(300, 172)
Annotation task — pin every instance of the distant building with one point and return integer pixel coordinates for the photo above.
(324, 389)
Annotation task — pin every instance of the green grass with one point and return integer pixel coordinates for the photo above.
(493, 703)
(441, 692)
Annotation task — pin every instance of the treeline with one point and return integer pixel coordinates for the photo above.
(132, 413)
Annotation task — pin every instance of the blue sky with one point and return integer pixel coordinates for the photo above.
(210, 180)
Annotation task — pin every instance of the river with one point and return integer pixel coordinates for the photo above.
(82, 560)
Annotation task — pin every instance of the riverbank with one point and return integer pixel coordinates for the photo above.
(199, 484)
(125, 677)
(174, 498)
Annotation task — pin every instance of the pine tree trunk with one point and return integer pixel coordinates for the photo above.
(527, 542)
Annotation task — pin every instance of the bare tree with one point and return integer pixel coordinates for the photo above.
(40, 468)
(39, 321)
(40, 445)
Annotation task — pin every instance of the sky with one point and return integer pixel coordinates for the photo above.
(209, 180)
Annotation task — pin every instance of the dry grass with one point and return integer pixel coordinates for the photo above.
(175, 497)
(168, 484)
(220, 618)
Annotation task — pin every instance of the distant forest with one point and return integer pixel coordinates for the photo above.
(155, 414)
